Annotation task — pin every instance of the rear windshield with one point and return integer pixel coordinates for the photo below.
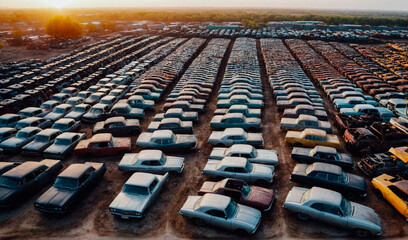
(136, 190)
(9, 182)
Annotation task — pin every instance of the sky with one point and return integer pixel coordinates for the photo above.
(388, 5)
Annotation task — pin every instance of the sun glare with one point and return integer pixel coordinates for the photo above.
(59, 4)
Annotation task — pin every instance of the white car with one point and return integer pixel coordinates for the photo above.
(253, 155)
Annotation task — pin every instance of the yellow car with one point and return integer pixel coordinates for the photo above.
(311, 138)
(394, 190)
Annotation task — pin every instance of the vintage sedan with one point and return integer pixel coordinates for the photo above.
(33, 122)
(307, 110)
(22, 137)
(244, 109)
(103, 144)
(303, 122)
(331, 207)
(238, 120)
(173, 124)
(152, 161)
(73, 101)
(41, 141)
(94, 98)
(221, 211)
(231, 136)
(118, 127)
(255, 96)
(253, 155)
(394, 190)
(241, 100)
(71, 185)
(96, 113)
(139, 102)
(329, 176)
(125, 110)
(48, 106)
(19, 183)
(166, 140)
(9, 119)
(78, 111)
(60, 97)
(63, 145)
(59, 112)
(6, 166)
(240, 168)
(147, 94)
(137, 195)
(66, 125)
(252, 196)
(350, 102)
(292, 103)
(185, 105)
(177, 113)
(31, 112)
(323, 154)
(311, 138)
(6, 133)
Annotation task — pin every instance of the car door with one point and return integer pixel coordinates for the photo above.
(229, 172)
(218, 218)
(395, 196)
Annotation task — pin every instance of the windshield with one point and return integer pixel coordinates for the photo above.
(69, 183)
(10, 182)
(94, 97)
(306, 196)
(246, 190)
(63, 141)
(231, 209)
(96, 110)
(46, 106)
(59, 110)
(135, 190)
(79, 109)
(59, 126)
(346, 207)
(41, 138)
(3, 121)
(22, 135)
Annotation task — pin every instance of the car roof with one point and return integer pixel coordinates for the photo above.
(65, 120)
(141, 179)
(325, 149)
(303, 117)
(101, 137)
(162, 134)
(29, 109)
(9, 115)
(315, 132)
(150, 155)
(327, 168)
(7, 129)
(214, 201)
(23, 169)
(238, 106)
(120, 105)
(364, 106)
(115, 119)
(75, 170)
(402, 185)
(29, 129)
(304, 106)
(322, 195)
(241, 148)
(67, 135)
(48, 131)
(174, 110)
(233, 162)
(233, 115)
(233, 131)
(398, 101)
(29, 119)
(170, 120)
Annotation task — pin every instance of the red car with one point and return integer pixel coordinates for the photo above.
(253, 196)
(103, 144)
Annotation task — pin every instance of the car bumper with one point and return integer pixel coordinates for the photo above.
(125, 214)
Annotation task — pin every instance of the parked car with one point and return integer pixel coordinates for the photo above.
(393, 162)
(241, 100)
(66, 125)
(323, 154)
(262, 156)
(400, 123)
(231, 136)
(137, 195)
(48, 106)
(307, 110)
(9, 120)
(33, 122)
(331, 177)
(394, 190)
(311, 138)
(303, 122)
(19, 183)
(125, 110)
(41, 141)
(78, 111)
(94, 98)
(166, 140)
(95, 114)
(177, 113)
(152, 161)
(103, 144)
(240, 168)
(63, 145)
(173, 124)
(22, 137)
(238, 190)
(6, 133)
(118, 127)
(221, 211)
(244, 109)
(73, 101)
(137, 101)
(147, 94)
(30, 112)
(60, 97)
(331, 207)
(231, 120)
(185, 105)
(361, 140)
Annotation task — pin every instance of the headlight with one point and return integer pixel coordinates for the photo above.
(138, 214)
(112, 210)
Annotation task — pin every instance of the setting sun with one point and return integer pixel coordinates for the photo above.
(57, 3)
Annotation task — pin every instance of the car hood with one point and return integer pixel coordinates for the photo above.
(130, 202)
(295, 195)
(247, 215)
(357, 181)
(347, 158)
(36, 146)
(174, 162)
(263, 170)
(13, 142)
(5, 193)
(260, 195)
(56, 149)
(364, 213)
(56, 197)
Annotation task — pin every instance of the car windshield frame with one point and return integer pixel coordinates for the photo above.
(231, 209)
(248, 166)
(246, 190)
(305, 196)
(346, 207)
(136, 190)
(66, 183)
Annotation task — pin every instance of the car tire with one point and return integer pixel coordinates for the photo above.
(378, 193)
(261, 182)
(198, 221)
(220, 145)
(361, 233)
(297, 144)
(302, 216)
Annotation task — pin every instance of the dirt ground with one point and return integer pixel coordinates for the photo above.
(91, 219)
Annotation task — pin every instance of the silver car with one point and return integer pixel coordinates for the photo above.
(64, 144)
(253, 155)
(331, 207)
(41, 141)
(240, 168)
(22, 137)
(221, 211)
(152, 161)
(79, 111)
(59, 112)
(231, 136)
(66, 125)
(137, 194)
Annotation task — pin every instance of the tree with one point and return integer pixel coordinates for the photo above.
(17, 34)
(91, 28)
(63, 27)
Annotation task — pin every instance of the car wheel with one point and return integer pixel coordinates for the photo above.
(261, 182)
(378, 193)
(241, 232)
(302, 216)
(361, 233)
(298, 144)
(198, 221)
(220, 145)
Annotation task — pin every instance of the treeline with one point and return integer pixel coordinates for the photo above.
(250, 18)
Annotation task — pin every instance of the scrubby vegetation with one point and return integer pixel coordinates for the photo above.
(63, 27)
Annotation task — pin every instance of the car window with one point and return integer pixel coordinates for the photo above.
(246, 155)
(29, 177)
(38, 172)
(85, 176)
(333, 177)
(229, 169)
(321, 176)
(240, 170)
(399, 193)
(330, 209)
(217, 213)
(153, 185)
